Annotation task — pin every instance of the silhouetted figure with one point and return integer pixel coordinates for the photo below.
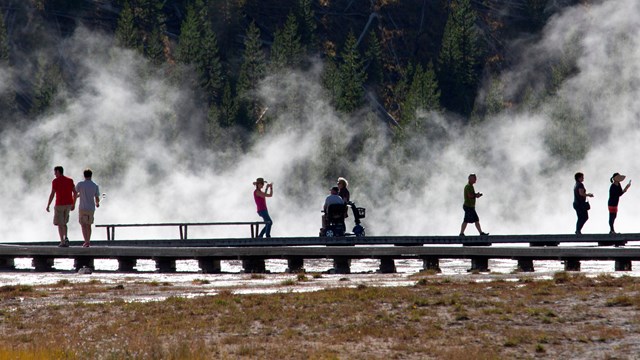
(342, 189)
(260, 198)
(580, 203)
(65, 193)
(469, 206)
(615, 191)
(89, 194)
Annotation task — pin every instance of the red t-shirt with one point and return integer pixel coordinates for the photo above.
(63, 186)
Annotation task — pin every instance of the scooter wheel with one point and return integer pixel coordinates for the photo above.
(329, 233)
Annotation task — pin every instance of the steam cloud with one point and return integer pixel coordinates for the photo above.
(122, 125)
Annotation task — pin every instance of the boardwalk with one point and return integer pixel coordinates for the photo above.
(253, 252)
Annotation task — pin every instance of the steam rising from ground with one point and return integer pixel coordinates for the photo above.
(124, 124)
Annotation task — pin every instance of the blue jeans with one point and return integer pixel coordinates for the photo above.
(264, 214)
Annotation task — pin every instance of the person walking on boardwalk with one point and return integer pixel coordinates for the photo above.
(469, 206)
(580, 203)
(65, 193)
(89, 194)
(615, 191)
(261, 204)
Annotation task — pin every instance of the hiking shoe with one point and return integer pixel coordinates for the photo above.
(66, 241)
(484, 234)
(85, 245)
(461, 234)
(63, 244)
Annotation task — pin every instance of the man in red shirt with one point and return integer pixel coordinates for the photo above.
(64, 190)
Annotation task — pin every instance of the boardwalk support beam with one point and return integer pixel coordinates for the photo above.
(623, 265)
(387, 265)
(431, 263)
(525, 265)
(7, 263)
(342, 265)
(42, 263)
(126, 264)
(80, 262)
(253, 265)
(209, 265)
(295, 264)
(571, 264)
(165, 264)
(479, 264)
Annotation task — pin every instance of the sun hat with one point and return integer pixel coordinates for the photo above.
(622, 177)
(346, 183)
(259, 181)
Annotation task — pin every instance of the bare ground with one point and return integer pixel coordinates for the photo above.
(570, 316)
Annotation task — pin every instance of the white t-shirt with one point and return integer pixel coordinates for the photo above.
(333, 199)
(87, 192)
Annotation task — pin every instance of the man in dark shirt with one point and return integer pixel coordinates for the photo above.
(469, 206)
(580, 203)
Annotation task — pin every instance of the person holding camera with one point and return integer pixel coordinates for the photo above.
(580, 203)
(260, 198)
(615, 191)
(469, 206)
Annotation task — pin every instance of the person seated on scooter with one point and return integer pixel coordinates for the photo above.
(333, 198)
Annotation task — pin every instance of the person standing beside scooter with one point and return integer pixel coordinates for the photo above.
(343, 192)
(260, 198)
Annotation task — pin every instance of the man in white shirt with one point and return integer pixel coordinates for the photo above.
(89, 194)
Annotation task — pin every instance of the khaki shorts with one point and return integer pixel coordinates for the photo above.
(61, 214)
(86, 217)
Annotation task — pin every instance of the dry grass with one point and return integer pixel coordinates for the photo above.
(569, 316)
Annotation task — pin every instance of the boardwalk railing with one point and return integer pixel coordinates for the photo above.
(183, 226)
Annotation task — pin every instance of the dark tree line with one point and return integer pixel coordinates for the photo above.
(230, 46)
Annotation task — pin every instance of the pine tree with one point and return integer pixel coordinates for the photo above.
(7, 94)
(189, 42)
(228, 107)
(287, 52)
(352, 77)
(198, 47)
(252, 71)
(308, 26)
(154, 50)
(126, 33)
(460, 58)
(375, 70)
(4, 43)
(423, 95)
(208, 63)
(47, 80)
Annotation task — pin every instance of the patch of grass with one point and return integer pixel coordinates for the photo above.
(256, 276)
(561, 277)
(200, 282)
(302, 278)
(288, 282)
(622, 300)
